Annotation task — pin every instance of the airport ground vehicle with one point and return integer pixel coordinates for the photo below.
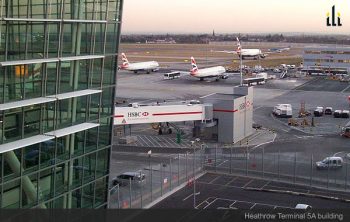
(345, 114)
(172, 75)
(345, 132)
(283, 110)
(328, 111)
(318, 111)
(255, 80)
(337, 114)
(333, 162)
(124, 179)
(303, 207)
(262, 75)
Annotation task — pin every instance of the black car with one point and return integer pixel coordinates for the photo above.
(328, 111)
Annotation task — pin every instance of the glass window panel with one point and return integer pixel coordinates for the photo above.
(86, 9)
(96, 73)
(94, 106)
(79, 139)
(101, 192)
(46, 184)
(91, 139)
(60, 175)
(29, 198)
(78, 171)
(66, 76)
(112, 38)
(31, 156)
(11, 195)
(107, 102)
(76, 198)
(13, 125)
(104, 138)
(48, 116)
(102, 162)
(32, 120)
(110, 70)
(89, 167)
(88, 196)
(62, 152)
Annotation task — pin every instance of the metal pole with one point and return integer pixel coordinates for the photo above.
(312, 169)
(216, 150)
(295, 166)
(194, 178)
(246, 161)
(178, 171)
(278, 164)
(118, 196)
(230, 160)
(263, 155)
(186, 166)
(241, 67)
(328, 174)
(346, 176)
(161, 180)
(141, 189)
(151, 182)
(130, 192)
(171, 174)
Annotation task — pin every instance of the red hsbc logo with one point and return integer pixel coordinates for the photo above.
(145, 114)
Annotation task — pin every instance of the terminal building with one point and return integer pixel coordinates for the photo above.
(57, 89)
(324, 60)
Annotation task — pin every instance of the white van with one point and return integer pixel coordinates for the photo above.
(333, 162)
(303, 207)
(283, 110)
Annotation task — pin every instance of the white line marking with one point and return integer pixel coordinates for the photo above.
(253, 206)
(261, 144)
(345, 89)
(222, 163)
(211, 182)
(265, 185)
(188, 197)
(231, 181)
(247, 184)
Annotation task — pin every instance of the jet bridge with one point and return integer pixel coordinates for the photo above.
(137, 114)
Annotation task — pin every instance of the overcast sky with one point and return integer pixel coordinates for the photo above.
(228, 16)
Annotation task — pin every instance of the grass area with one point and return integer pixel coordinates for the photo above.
(269, 62)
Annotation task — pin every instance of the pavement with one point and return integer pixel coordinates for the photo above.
(219, 191)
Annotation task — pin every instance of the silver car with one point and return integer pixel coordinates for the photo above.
(125, 178)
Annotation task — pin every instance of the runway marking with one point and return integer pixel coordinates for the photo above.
(247, 184)
(231, 205)
(222, 163)
(188, 197)
(150, 141)
(265, 185)
(253, 206)
(231, 180)
(345, 89)
(261, 144)
(211, 182)
(285, 130)
(143, 140)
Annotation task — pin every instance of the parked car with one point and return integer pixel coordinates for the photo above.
(328, 111)
(124, 179)
(337, 114)
(318, 111)
(332, 162)
(303, 207)
(345, 114)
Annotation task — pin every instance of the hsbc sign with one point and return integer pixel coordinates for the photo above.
(137, 114)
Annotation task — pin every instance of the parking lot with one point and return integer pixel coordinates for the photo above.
(218, 191)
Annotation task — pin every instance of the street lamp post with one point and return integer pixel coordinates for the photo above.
(194, 176)
(150, 170)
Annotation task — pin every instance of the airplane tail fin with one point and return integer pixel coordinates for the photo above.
(125, 61)
(239, 47)
(194, 69)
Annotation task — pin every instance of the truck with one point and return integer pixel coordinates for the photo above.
(262, 75)
(283, 110)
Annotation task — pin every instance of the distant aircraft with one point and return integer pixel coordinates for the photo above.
(279, 50)
(149, 67)
(250, 53)
(212, 72)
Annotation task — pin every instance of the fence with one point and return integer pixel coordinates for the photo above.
(160, 179)
(290, 167)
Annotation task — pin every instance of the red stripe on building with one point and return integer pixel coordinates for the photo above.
(225, 111)
(119, 116)
(172, 114)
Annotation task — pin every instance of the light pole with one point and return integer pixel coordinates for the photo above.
(194, 176)
(150, 170)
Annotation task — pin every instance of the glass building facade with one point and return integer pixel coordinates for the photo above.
(58, 64)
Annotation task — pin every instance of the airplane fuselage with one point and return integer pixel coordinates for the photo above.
(142, 66)
(211, 72)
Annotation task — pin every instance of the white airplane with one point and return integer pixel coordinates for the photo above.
(251, 53)
(212, 72)
(149, 67)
